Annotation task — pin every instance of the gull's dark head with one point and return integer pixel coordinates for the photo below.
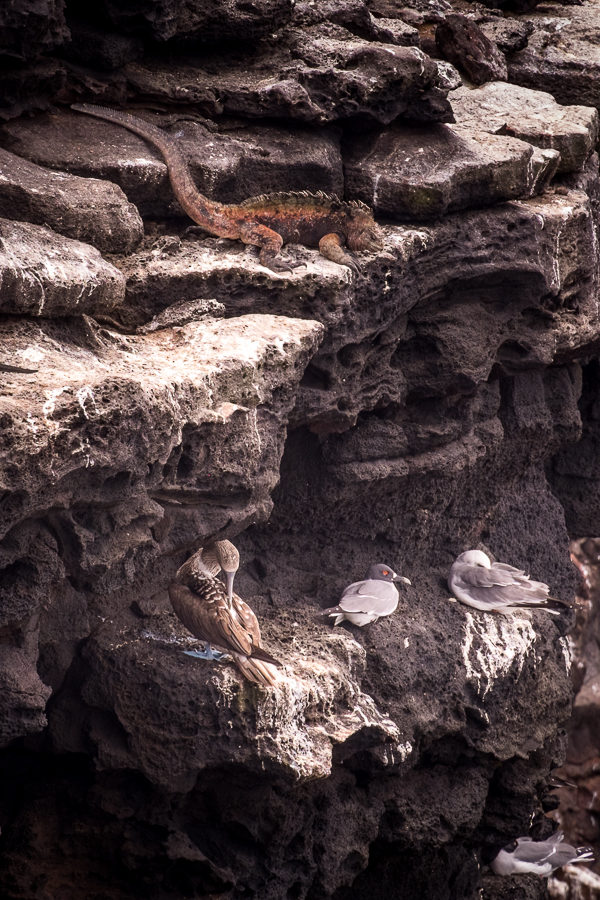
(382, 572)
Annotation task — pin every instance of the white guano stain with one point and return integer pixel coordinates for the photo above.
(84, 394)
(50, 405)
(495, 644)
(567, 651)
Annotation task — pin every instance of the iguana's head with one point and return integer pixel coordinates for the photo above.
(363, 232)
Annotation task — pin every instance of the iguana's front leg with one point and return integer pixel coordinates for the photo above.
(270, 244)
(330, 246)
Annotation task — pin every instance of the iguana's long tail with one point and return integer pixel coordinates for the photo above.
(207, 213)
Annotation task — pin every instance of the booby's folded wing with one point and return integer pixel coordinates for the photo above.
(209, 618)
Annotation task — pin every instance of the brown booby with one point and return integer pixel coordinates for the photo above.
(538, 857)
(366, 601)
(497, 587)
(213, 613)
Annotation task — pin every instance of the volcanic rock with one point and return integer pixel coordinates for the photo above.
(82, 208)
(421, 173)
(44, 274)
(532, 116)
(31, 29)
(462, 42)
(562, 56)
(324, 74)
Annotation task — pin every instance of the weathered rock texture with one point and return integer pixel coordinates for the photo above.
(28, 29)
(177, 390)
(44, 274)
(579, 810)
(88, 210)
(562, 55)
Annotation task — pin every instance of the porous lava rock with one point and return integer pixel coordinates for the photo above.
(562, 55)
(30, 29)
(317, 74)
(164, 20)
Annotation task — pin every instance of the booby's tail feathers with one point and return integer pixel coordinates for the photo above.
(265, 656)
(256, 670)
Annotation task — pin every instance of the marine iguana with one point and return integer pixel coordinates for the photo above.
(267, 221)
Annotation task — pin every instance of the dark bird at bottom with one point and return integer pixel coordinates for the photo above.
(214, 614)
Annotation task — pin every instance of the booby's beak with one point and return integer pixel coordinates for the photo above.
(402, 579)
(229, 576)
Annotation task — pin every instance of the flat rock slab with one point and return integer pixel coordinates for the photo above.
(86, 209)
(317, 74)
(45, 274)
(228, 164)
(183, 400)
(422, 173)
(533, 116)
(562, 55)
(167, 270)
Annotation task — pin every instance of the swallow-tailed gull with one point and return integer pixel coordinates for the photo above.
(539, 857)
(497, 587)
(366, 601)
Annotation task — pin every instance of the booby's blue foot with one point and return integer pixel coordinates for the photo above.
(207, 653)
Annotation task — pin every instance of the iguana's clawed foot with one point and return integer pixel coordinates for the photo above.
(348, 261)
(331, 248)
(276, 264)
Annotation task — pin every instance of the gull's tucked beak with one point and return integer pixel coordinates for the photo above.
(229, 576)
(402, 579)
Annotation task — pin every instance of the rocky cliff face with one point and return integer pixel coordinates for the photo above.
(162, 388)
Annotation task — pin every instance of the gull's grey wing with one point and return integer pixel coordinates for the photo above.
(553, 851)
(380, 597)
(500, 585)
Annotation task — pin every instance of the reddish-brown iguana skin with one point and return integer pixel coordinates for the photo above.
(268, 221)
